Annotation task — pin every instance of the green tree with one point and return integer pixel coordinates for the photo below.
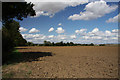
(47, 43)
(68, 44)
(71, 44)
(18, 10)
(101, 44)
(61, 43)
(91, 44)
(11, 36)
(30, 44)
(13, 30)
(53, 44)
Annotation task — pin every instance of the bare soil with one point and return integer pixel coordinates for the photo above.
(65, 62)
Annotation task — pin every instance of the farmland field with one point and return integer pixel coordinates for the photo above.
(65, 62)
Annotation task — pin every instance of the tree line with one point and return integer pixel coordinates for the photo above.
(48, 43)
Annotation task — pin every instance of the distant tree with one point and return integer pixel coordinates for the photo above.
(71, 44)
(53, 44)
(30, 43)
(61, 43)
(101, 44)
(64, 44)
(47, 43)
(68, 44)
(91, 44)
(58, 44)
(40, 44)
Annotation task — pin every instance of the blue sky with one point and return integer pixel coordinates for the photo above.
(76, 22)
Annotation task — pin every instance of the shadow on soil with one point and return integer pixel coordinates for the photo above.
(17, 57)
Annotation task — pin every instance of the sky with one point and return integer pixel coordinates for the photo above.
(79, 22)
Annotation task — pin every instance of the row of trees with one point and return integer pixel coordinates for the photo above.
(48, 43)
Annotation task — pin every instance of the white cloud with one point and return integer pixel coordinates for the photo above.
(114, 19)
(81, 31)
(43, 37)
(73, 36)
(22, 29)
(33, 30)
(94, 10)
(86, 37)
(59, 24)
(60, 30)
(95, 30)
(115, 30)
(76, 31)
(114, 38)
(94, 36)
(61, 37)
(51, 29)
(108, 33)
(36, 38)
(50, 7)
(27, 36)
(50, 36)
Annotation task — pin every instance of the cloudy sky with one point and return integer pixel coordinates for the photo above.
(79, 22)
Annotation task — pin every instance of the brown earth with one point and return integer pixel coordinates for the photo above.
(66, 62)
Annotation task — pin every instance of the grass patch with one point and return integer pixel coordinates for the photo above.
(4, 66)
(8, 75)
(29, 72)
(15, 50)
(13, 58)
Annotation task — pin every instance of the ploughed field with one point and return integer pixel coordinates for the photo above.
(65, 62)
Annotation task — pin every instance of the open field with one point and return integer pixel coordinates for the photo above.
(65, 62)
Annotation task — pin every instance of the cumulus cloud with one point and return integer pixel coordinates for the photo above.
(114, 19)
(59, 24)
(22, 29)
(115, 30)
(94, 10)
(50, 36)
(114, 38)
(73, 36)
(50, 7)
(98, 35)
(51, 29)
(60, 30)
(61, 37)
(33, 36)
(108, 33)
(93, 36)
(33, 30)
(86, 37)
(95, 30)
(81, 31)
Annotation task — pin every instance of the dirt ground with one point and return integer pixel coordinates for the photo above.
(66, 62)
